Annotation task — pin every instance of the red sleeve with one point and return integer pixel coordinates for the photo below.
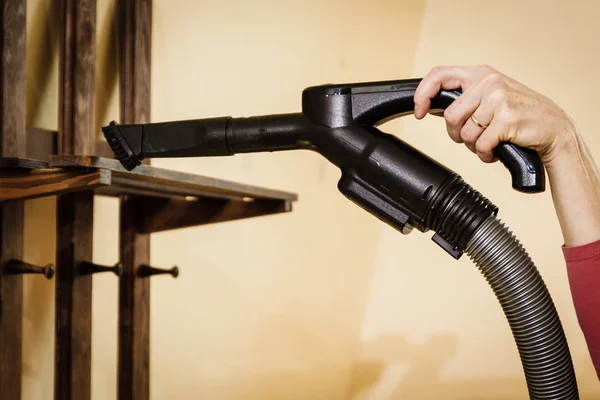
(583, 268)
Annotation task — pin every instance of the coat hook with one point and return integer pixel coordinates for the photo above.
(88, 268)
(146, 271)
(21, 267)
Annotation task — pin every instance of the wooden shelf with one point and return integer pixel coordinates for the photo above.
(152, 181)
(170, 199)
(22, 163)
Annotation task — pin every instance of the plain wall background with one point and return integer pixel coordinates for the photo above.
(325, 302)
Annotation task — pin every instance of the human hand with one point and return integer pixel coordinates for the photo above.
(506, 111)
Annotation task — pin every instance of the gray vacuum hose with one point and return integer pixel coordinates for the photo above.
(529, 309)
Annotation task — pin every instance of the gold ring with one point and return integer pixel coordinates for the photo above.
(479, 124)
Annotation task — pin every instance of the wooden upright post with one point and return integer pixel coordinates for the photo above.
(12, 144)
(135, 29)
(75, 211)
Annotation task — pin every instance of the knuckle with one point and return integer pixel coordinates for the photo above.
(451, 116)
(485, 157)
(498, 97)
(494, 79)
(436, 70)
(456, 138)
(453, 133)
(488, 68)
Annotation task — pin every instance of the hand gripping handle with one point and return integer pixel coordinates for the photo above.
(374, 103)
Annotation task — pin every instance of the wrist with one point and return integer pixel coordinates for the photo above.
(565, 153)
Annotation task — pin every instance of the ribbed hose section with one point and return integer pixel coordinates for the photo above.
(529, 309)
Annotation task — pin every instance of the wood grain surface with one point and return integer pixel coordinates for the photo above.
(12, 216)
(163, 181)
(75, 211)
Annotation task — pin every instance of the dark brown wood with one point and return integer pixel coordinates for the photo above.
(41, 143)
(77, 77)
(16, 266)
(11, 301)
(135, 38)
(147, 271)
(12, 79)
(165, 214)
(23, 163)
(103, 149)
(154, 181)
(88, 268)
(22, 178)
(134, 306)
(12, 144)
(21, 184)
(75, 211)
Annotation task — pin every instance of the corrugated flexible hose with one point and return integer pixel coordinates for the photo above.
(529, 309)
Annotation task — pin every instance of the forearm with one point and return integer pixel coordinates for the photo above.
(575, 184)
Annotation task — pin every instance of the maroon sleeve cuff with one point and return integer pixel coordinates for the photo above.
(583, 252)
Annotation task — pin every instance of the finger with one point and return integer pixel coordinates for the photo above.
(461, 110)
(438, 78)
(489, 140)
(484, 114)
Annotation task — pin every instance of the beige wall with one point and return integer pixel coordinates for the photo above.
(325, 302)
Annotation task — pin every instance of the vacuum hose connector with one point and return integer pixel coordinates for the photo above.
(529, 309)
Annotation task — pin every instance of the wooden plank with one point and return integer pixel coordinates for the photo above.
(41, 143)
(19, 184)
(135, 38)
(134, 306)
(103, 149)
(12, 79)
(11, 301)
(75, 211)
(170, 182)
(165, 214)
(23, 163)
(12, 216)
(77, 77)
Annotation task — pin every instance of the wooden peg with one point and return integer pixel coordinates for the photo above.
(147, 271)
(88, 268)
(21, 267)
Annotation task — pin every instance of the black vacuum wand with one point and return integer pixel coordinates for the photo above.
(401, 186)
(381, 173)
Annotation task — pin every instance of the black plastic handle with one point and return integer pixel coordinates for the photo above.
(374, 103)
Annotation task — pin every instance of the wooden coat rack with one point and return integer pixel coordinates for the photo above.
(69, 164)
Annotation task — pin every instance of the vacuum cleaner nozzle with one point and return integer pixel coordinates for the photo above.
(122, 148)
(132, 143)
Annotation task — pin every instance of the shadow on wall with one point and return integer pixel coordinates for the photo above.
(393, 369)
(107, 67)
(421, 377)
(42, 52)
(419, 373)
